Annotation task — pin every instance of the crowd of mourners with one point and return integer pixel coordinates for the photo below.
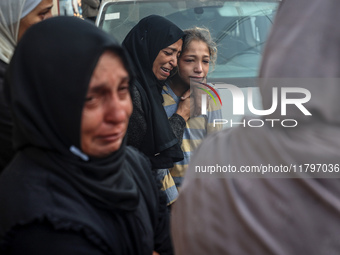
(96, 151)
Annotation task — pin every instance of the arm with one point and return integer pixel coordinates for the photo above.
(137, 124)
(75, 6)
(162, 237)
(177, 124)
(93, 3)
(178, 120)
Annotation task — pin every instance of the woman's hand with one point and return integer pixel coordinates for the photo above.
(184, 106)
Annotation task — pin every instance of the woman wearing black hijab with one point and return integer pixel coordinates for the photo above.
(73, 186)
(154, 45)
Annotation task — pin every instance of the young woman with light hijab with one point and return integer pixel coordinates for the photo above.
(154, 45)
(74, 187)
(16, 17)
(295, 215)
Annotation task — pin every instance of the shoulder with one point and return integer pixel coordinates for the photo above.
(133, 153)
(3, 67)
(139, 162)
(144, 176)
(139, 96)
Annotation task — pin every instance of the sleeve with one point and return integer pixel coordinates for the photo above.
(93, 3)
(75, 6)
(177, 124)
(162, 238)
(6, 125)
(155, 199)
(137, 123)
(42, 239)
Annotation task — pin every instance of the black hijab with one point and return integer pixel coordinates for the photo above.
(47, 83)
(144, 42)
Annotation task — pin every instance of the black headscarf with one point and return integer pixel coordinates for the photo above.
(144, 42)
(47, 83)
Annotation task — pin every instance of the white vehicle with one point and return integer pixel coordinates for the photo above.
(239, 28)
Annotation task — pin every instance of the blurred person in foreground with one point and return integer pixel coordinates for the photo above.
(198, 52)
(74, 187)
(297, 214)
(16, 17)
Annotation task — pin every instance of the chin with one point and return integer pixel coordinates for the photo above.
(102, 153)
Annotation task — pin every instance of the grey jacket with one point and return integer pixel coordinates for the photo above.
(90, 8)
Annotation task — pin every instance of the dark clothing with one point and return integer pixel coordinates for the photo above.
(177, 124)
(143, 43)
(6, 124)
(41, 239)
(65, 210)
(137, 125)
(113, 201)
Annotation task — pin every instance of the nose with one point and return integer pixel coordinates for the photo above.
(198, 68)
(173, 61)
(115, 111)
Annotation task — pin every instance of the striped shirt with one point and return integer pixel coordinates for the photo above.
(197, 128)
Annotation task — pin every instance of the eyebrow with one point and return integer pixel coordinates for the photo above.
(194, 56)
(97, 88)
(173, 49)
(48, 8)
(101, 87)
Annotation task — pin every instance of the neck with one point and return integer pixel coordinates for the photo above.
(178, 86)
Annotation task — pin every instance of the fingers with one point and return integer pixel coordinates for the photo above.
(186, 94)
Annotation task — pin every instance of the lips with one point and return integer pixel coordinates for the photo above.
(166, 70)
(196, 79)
(111, 137)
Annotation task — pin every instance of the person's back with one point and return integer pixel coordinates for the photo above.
(274, 189)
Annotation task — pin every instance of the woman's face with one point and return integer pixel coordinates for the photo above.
(166, 60)
(107, 107)
(41, 12)
(194, 62)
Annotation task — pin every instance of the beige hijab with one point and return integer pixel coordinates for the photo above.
(11, 12)
(228, 215)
